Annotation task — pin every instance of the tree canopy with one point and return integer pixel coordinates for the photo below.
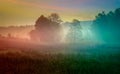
(74, 35)
(107, 26)
(47, 29)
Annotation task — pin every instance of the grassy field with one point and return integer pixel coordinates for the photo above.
(29, 62)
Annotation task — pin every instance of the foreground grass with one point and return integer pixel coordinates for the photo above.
(32, 63)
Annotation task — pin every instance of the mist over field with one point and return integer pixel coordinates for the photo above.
(59, 37)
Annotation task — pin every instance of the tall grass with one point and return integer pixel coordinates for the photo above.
(14, 63)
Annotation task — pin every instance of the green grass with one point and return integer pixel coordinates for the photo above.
(23, 62)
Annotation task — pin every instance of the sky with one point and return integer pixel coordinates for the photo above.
(26, 12)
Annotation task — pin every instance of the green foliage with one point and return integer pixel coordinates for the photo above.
(107, 26)
(59, 64)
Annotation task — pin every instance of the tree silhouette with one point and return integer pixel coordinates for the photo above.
(107, 26)
(47, 29)
(55, 18)
(75, 33)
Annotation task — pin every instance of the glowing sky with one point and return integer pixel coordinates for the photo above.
(25, 12)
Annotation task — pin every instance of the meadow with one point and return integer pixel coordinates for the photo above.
(14, 61)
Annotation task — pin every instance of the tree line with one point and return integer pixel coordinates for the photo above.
(107, 26)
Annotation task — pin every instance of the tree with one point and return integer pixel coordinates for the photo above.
(75, 34)
(47, 29)
(106, 26)
(55, 18)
